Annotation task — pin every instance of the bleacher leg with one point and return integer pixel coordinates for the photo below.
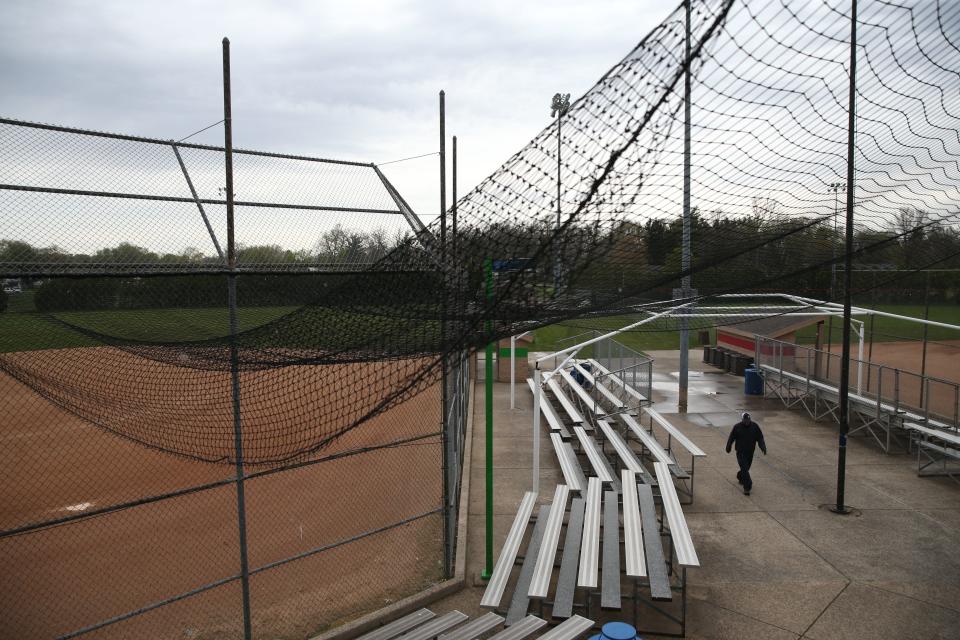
(683, 603)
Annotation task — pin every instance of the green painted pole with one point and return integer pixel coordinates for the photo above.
(488, 411)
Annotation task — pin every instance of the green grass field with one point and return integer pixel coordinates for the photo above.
(316, 327)
(22, 329)
(895, 330)
(31, 331)
(885, 330)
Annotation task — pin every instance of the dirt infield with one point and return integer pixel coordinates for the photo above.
(943, 362)
(62, 578)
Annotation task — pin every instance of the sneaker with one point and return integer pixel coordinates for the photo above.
(746, 492)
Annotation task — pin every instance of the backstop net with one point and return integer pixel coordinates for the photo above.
(179, 394)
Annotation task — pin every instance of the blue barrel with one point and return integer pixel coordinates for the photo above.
(618, 631)
(752, 382)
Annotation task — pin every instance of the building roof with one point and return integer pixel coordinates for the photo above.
(773, 326)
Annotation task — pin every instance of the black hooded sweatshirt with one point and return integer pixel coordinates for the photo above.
(747, 435)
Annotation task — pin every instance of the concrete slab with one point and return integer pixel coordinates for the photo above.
(879, 544)
(716, 492)
(752, 547)
(774, 564)
(862, 611)
(709, 620)
(789, 605)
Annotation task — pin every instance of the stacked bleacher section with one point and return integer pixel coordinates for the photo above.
(614, 535)
(424, 624)
(878, 411)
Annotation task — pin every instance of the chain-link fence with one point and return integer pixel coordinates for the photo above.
(199, 441)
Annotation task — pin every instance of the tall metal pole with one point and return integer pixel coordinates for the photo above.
(558, 267)
(488, 414)
(448, 455)
(453, 228)
(234, 352)
(559, 106)
(685, 248)
(836, 187)
(454, 247)
(926, 328)
(833, 242)
(840, 507)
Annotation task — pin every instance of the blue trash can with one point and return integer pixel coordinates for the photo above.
(752, 382)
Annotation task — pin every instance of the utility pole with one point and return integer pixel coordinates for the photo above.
(685, 291)
(559, 106)
(844, 416)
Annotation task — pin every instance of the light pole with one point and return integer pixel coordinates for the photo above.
(559, 108)
(837, 188)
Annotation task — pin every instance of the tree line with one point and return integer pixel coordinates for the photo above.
(603, 264)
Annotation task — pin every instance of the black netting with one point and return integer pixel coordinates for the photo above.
(121, 338)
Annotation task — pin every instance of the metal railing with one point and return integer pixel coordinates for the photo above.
(892, 389)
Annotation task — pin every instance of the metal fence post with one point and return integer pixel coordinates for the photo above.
(234, 351)
(488, 414)
(537, 392)
(448, 456)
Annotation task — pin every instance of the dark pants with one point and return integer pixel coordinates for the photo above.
(745, 459)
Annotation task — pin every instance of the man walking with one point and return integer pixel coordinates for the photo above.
(747, 435)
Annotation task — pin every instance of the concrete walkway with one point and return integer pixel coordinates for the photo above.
(775, 564)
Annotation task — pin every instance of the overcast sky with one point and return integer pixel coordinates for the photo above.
(352, 79)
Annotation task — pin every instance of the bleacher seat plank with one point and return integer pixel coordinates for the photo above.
(947, 436)
(474, 628)
(950, 453)
(395, 628)
(572, 474)
(547, 409)
(626, 455)
(654, 447)
(682, 542)
(508, 554)
(606, 393)
(568, 629)
(584, 396)
(675, 433)
(520, 600)
(564, 401)
(610, 578)
(543, 570)
(567, 579)
(601, 468)
(652, 546)
(617, 379)
(435, 627)
(590, 540)
(520, 630)
(632, 534)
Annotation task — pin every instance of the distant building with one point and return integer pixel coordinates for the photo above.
(740, 337)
